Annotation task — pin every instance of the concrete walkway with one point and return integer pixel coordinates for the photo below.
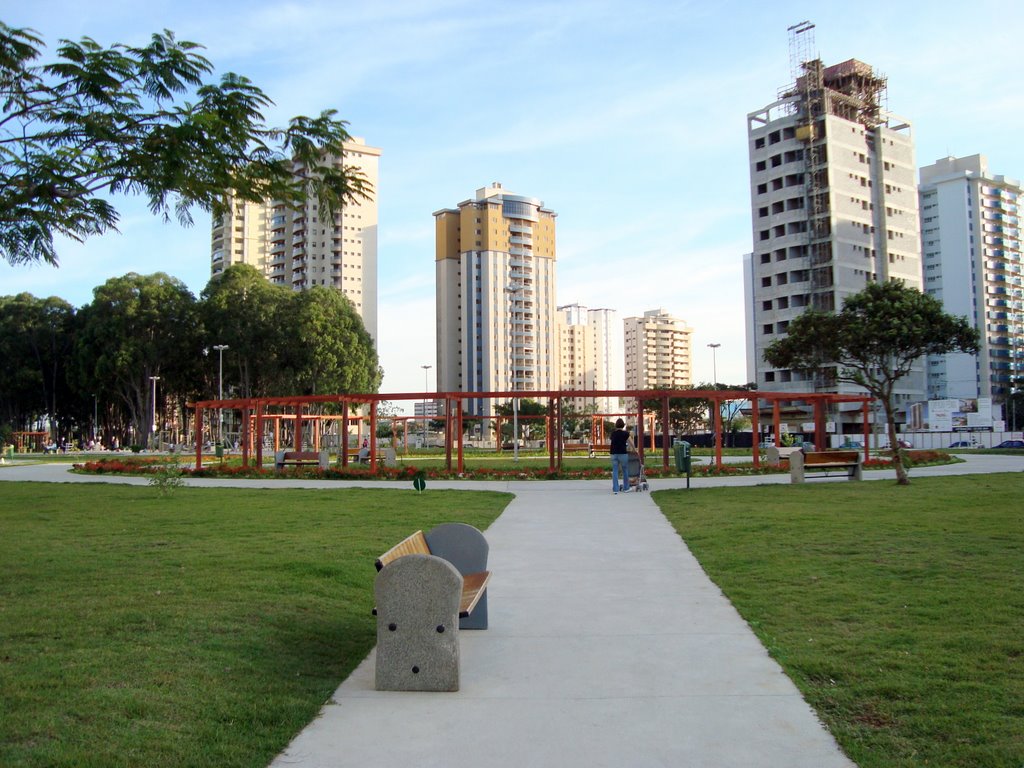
(608, 646)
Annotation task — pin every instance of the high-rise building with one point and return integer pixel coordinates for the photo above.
(834, 206)
(657, 351)
(495, 272)
(301, 248)
(590, 354)
(973, 263)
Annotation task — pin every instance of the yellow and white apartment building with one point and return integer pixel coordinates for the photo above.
(495, 273)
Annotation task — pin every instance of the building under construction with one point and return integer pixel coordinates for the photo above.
(833, 202)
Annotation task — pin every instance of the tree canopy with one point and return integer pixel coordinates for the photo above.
(873, 342)
(101, 121)
(95, 366)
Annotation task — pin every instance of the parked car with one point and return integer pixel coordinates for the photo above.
(961, 444)
(1011, 444)
(884, 445)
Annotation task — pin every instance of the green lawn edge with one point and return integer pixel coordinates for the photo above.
(202, 628)
(897, 611)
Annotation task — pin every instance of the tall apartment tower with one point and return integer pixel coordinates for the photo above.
(973, 263)
(495, 272)
(657, 351)
(301, 248)
(834, 206)
(590, 354)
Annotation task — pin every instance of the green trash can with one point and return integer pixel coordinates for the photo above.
(219, 451)
(683, 457)
(9, 452)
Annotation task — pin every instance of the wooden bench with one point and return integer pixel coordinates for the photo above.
(824, 461)
(473, 584)
(429, 587)
(300, 458)
(567, 447)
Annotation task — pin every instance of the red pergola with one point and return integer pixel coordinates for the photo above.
(256, 411)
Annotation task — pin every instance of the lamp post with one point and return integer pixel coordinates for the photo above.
(513, 290)
(714, 363)
(426, 388)
(152, 412)
(95, 418)
(220, 390)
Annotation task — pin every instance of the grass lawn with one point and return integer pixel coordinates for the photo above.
(201, 629)
(898, 611)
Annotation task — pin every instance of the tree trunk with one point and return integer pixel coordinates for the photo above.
(894, 444)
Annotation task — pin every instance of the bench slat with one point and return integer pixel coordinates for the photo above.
(473, 585)
(820, 458)
(413, 545)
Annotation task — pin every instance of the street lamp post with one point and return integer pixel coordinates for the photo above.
(426, 388)
(152, 412)
(220, 391)
(714, 363)
(95, 418)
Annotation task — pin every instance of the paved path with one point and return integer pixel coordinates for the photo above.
(608, 646)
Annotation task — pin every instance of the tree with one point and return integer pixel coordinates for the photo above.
(241, 309)
(35, 339)
(873, 342)
(329, 349)
(685, 414)
(532, 428)
(141, 120)
(138, 327)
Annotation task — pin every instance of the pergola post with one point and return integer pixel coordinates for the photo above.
(373, 437)
(344, 434)
(865, 408)
(819, 424)
(199, 437)
(755, 429)
(717, 404)
(448, 423)
(640, 428)
(461, 426)
(664, 432)
(554, 431)
(246, 426)
(258, 406)
(777, 419)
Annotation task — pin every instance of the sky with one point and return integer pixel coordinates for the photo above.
(628, 120)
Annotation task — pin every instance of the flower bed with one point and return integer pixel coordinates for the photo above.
(149, 465)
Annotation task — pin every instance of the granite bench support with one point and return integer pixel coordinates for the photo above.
(418, 624)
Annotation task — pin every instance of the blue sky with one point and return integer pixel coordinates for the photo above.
(627, 119)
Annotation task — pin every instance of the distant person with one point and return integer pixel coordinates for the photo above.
(621, 447)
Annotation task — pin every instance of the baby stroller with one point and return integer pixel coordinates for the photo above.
(637, 474)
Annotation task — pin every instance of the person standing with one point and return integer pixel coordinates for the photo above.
(621, 447)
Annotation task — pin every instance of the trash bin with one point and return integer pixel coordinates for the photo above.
(219, 451)
(683, 457)
(9, 452)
